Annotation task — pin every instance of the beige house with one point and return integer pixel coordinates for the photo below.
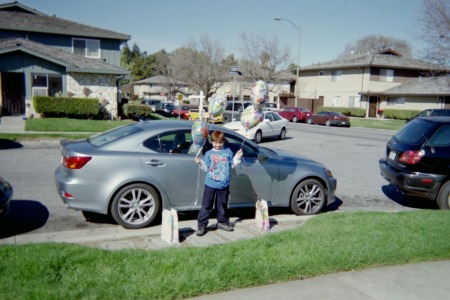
(376, 81)
(160, 87)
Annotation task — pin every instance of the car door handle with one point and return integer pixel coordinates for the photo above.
(155, 163)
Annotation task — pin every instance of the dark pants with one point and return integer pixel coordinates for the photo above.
(221, 197)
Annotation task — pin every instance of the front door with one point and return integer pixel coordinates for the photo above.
(13, 94)
(373, 100)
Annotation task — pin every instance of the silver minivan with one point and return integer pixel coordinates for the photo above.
(234, 109)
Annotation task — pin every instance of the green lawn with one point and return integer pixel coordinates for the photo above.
(64, 128)
(327, 243)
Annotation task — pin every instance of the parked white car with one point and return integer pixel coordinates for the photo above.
(273, 125)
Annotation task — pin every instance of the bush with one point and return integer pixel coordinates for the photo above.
(134, 109)
(400, 114)
(62, 107)
(347, 111)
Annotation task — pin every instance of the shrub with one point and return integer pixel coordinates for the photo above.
(400, 114)
(62, 107)
(134, 109)
(347, 111)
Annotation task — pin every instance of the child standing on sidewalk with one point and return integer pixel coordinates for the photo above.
(217, 164)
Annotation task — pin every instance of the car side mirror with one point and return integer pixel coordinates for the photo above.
(262, 157)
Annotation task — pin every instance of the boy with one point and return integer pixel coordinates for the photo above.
(216, 164)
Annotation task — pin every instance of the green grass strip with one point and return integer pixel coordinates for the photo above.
(327, 243)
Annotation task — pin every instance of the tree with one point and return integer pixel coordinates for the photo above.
(201, 65)
(435, 20)
(263, 59)
(139, 63)
(374, 43)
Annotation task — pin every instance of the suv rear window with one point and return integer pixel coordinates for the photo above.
(415, 131)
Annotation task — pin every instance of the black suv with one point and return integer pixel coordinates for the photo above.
(417, 159)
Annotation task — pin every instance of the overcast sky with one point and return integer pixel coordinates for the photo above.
(326, 25)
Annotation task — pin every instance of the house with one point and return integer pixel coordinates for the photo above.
(46, 55)
(374, 82)
(159, 87)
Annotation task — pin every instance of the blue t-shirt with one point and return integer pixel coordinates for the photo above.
(218, 164)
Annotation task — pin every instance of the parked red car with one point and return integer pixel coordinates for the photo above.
(296, 114)
(184, 112)
(329, 118)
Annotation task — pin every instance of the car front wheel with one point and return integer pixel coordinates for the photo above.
(258, 137)
(443, 197)
(328, 123)
(294, 119)
(135, 206)
(308, 198)
(309, 121)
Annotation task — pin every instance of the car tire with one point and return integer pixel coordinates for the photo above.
(136, 206)
(309, 121)
(308, 197)
(443, 197)
(294, 119)
(282, 135)
(328, 123)
(258, 137)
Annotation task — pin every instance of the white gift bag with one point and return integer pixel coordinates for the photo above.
(169, 226)
(262, 215)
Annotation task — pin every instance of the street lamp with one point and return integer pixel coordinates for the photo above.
(298, 53)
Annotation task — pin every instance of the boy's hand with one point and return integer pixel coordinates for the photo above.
(197, 160)
(239, 153)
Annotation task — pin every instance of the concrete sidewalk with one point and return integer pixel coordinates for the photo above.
(420, 281)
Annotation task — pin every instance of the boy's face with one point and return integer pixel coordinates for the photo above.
(217, 145)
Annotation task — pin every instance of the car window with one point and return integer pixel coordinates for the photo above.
(173, 142)
(235, 144)
(268, 116)
(276, 117)
(114, 134)
(414, 132)
(441, 138)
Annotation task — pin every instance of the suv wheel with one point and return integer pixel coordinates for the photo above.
(443, 197)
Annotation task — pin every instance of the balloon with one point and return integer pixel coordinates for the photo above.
(217, 104)
(259, 94)
(251, 117)
(199, 132)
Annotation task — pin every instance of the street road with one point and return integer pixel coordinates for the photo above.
(352, 155)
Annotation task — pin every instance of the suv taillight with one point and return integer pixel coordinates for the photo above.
(411, 157)
(76, 162)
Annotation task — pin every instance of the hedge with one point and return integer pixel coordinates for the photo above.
(401, 114)
(66, 107)
(135, 109)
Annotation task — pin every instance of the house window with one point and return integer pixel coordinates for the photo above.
(336, 75)
(46, 85)
(352, 100)
(387, 75)
(336, 100)
(86, 48)
(396, 101)
(321, 73)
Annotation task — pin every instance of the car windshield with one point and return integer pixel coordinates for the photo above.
(414, 132)
(113, 134)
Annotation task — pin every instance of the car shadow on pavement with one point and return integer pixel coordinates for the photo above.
(408, 201)
(9, 144)
(24, 216)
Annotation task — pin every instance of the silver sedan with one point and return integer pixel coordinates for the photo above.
(133, 172)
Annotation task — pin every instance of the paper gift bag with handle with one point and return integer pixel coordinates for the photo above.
(169, 226)
(262, 215)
